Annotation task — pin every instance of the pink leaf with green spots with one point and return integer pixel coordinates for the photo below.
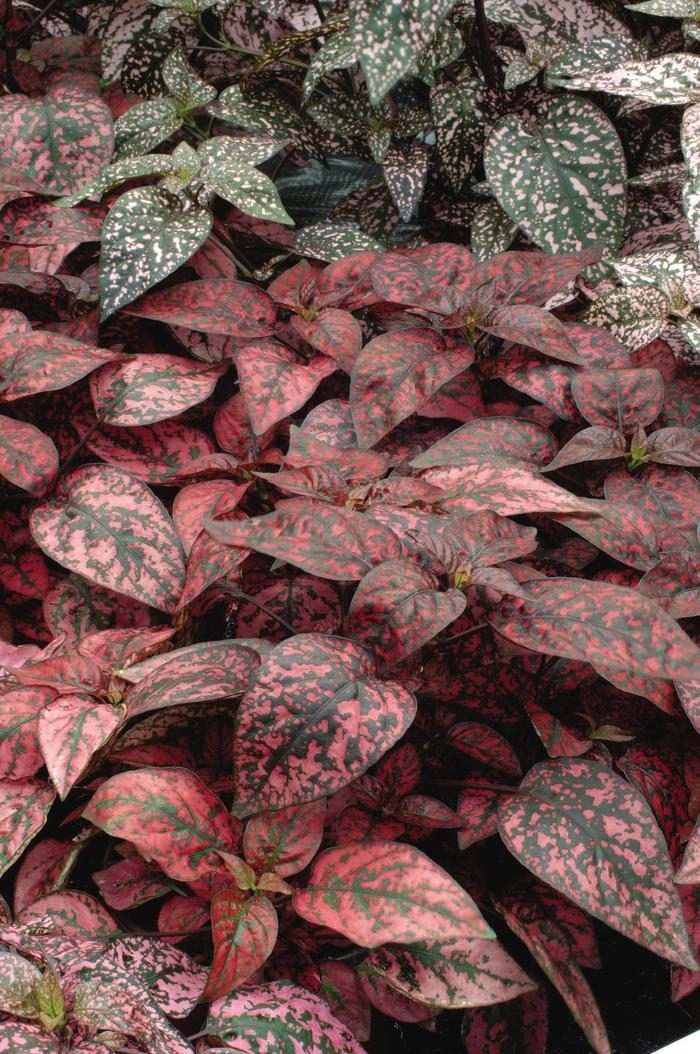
(275, 382)
(280, 1013)
(171, 818)
(398, 607)
(519, 1023)
(109, 527)
(151, 388)
(623, 629)
(589, 834)
(28, 458)
(329, 542)
(286, 840)
(20, 755)
(211, 305)
(195, 674)
(72, 729)
(315, 717)
(244, 931)
(24, 806)
(386, 892)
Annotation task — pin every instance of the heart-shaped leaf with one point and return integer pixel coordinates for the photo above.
(244, 930)
(286, 840)
(563, 180)
(71, 729)
(315, 718)
(28, 458)
(211, 305)
(587, 832)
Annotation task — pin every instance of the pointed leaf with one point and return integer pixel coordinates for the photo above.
(24, 806)
(169, 815)
(273, 1016)
(286, 840)
(520, 1023)
(275, 382)
(587, 832)
(386, 892)
(211, 305)
(398, 371)
(453, 973)
(244, 931)
(328, 542)
(28, 458)
(397, 608)
(72, 729)
(109, 527)
(195, 674)
(150, 388)
(619, 399)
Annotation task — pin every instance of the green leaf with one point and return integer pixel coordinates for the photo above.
(492, 230)
(562, 180)
(228, 170)
(146, 236)
(389, 37)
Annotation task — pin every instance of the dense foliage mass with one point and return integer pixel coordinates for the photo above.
(349, 553)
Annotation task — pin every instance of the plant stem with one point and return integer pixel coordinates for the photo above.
(487, 63)
(240, 595)
(464, 633)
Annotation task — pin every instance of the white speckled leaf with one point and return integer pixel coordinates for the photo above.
(492, 230)
(189, 90)
(144, 126)
(390, 36)
(562, 180)
(405, 172)
(146, 236)
(336, 54)
(665, 8)
(690, 140)
(636, 315)
(228, 170)
(112, 175)
(596, 56)
(691, 207)
(670, 80)
(458, 116)
(576, 20)
(334, 241)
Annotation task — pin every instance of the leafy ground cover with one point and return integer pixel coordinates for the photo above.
(349, 553)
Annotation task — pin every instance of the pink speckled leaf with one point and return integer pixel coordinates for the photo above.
(72, 729)
(503, 485)
(275, 382)
(150, 388)
(71, 913)
(398, 607)
(619, 399)
(159, 453)
(452, 974)
(20, 755)
(28, 458)
(174, 980)
(342, 990)
(19, 980)
(485, 745)
(34, 361)
(211, 305)
(45, 864)
(286, 840)
(315, 718)
(244, 931)
(386, 892)
(24, 806)
(329, 542)
(170, 816)
(308, 603)
(551, 950)
(20, 1037)
(589, 834)
(61, 139)
(396, 372)
(620, 627)
(279, 1013)
(520, 1025)
(195, 674)
(130, 883)
(690, 870)
(109, 527)
(491, 437)
(478, 806)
